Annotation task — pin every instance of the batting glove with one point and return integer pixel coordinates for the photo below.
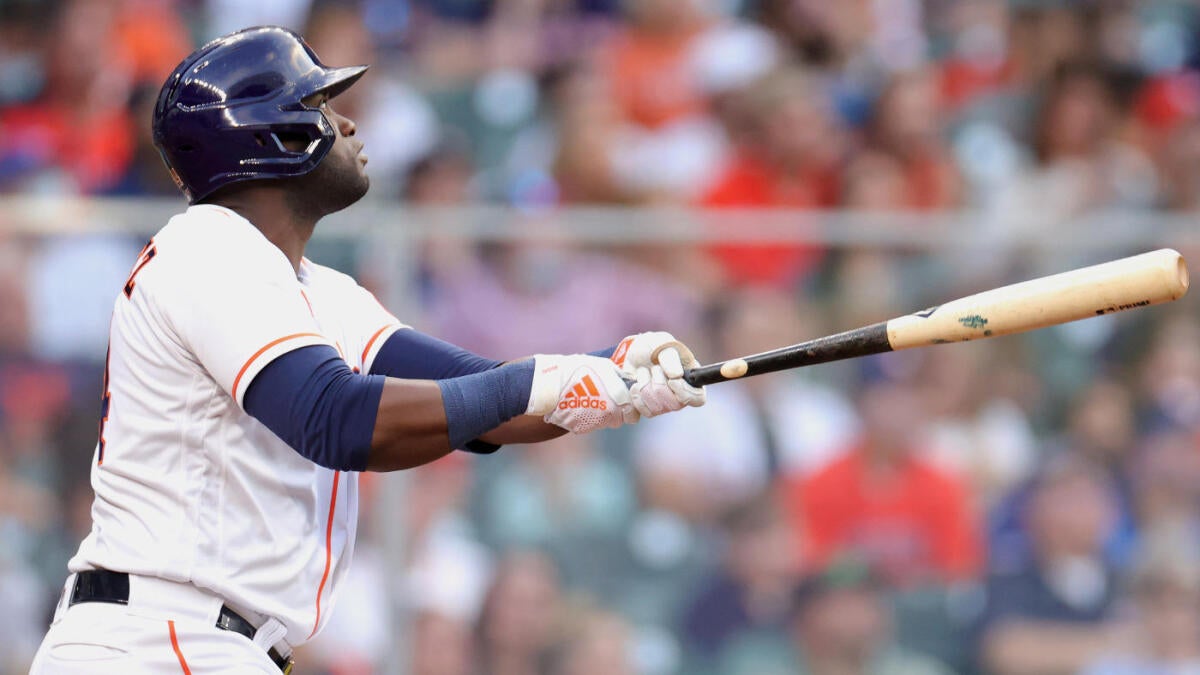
(655, 362)
(580, 393)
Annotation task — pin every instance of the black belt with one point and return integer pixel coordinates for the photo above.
(113, 587)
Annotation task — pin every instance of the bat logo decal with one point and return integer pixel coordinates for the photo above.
(973, 321)
(926, 313)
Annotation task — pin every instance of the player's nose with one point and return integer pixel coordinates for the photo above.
(346, 126)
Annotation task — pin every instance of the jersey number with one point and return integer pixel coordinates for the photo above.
(147, 254)
(104, 403)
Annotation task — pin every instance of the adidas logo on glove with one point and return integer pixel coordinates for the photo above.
(583, 395)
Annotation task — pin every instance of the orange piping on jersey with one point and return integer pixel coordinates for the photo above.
(306, 301)
(371, 342)
(175, 645)
(260, 352)
(328, 550)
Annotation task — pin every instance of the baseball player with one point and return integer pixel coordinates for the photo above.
(247, 386)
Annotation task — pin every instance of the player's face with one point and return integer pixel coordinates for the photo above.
(341, 177)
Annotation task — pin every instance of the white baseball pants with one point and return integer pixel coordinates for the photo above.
(167, 628)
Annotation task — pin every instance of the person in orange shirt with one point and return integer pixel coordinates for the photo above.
(883, 502)
(647, 65)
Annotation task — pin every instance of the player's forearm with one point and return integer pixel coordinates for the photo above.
(411, 428)
(523, 429)
(421, 420)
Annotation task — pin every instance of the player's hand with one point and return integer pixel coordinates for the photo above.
(655, 363)
(580, 393)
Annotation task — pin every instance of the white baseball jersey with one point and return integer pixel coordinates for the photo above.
(188, 486)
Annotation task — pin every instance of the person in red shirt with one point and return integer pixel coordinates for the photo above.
(793, 160)
(882, 501)
(77, 135)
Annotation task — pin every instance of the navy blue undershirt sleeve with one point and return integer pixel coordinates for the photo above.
(412, 355)
(480, 402)
(311, 399)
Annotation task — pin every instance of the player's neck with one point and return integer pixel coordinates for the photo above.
(282, 225)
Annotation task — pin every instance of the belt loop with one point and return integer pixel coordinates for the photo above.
(64, 600)
(270, 632)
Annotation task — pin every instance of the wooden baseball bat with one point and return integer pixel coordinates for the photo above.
(1138, 281)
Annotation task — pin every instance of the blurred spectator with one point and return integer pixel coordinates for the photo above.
(564, 300)
(146, 175)
(597, 643)
(981, 59)
(1169, 377)
(1100, 430)
(448, 570)
(1055, 613)
(442, 645)
(587, 128)
(1166, 487)
(907, 126)
(226, 16)
(1165, 625)
(518, 626)
(565, 497)
(753, 589)
(982, 434)
(792, 161)
(1082, 162)
(441, 177)
(882, 500)
(646, 63)
(820, 33)
(875, 182)
(841, 626)
(750, 431)
(76, 136)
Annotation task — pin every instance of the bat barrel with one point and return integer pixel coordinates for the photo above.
(1138, 281)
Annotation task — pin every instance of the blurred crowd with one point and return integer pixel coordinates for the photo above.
(1020, 507)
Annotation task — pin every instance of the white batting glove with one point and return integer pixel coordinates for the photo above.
(580, 393)
(655, 362)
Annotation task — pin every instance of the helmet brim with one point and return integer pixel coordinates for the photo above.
(334, 81)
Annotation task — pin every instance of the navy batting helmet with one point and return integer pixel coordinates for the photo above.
(219, 116)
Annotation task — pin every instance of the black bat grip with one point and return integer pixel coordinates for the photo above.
(710, 374)
(871, 339)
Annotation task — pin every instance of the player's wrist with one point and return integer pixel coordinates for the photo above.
(478, 403)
